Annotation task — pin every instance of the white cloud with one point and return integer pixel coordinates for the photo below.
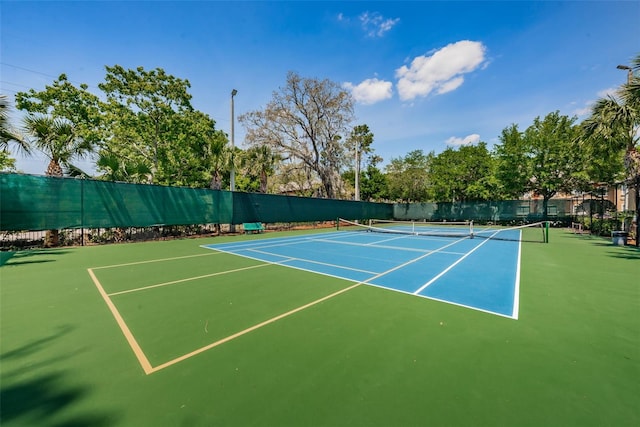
(467, 140)
(440, 72)
(611, 91)
(450, 85)
(375, 25)
(586, 109)
(370, 91)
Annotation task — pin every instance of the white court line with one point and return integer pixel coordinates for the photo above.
(288, 241)
(374, 245)
(386, 240)
(316, 262)
(287, 259)
(516, 296)
(230, 248)
(259, 242)
(440, 300)
(443, 272)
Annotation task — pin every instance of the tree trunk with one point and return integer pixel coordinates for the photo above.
(52, 237)
(637, 194)
(216, 184)
(632, 164)
(263, 181)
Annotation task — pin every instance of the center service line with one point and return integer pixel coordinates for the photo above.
(423, 287)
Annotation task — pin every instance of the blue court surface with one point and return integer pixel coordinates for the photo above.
(480, 274)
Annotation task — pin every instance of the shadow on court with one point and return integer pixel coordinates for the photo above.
(28, 257)
(42, 399)
(628, 252)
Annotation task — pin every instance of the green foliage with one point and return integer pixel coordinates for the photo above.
(373, 185)
(465, 174)
(554, 154)
(600, 227)
(119, 169)
(7, 164)
(64, 101)
(7, 135)
(57, 139)
(513, 166)
(148, 113)
(408, 177)
(258, 163)
(545, 159)
(146, 130)
(611, 136)
(359, 143)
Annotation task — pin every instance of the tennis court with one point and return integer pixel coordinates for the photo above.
(236, 289)
(323, 328)
(435, 261)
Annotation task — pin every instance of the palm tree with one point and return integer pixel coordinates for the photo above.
(615, 121)
(56, 139)
(261, 160)
(6, 133)
(118, 169)
(214, 156)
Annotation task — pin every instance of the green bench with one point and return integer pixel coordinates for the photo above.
(252, 227)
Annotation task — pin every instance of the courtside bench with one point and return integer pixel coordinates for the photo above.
(252, 227)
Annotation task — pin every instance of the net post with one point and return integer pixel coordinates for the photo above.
(546, 232)
(471, 229)
(338, 224)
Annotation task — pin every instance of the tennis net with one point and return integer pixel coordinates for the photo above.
(416, 228)
(536, 232)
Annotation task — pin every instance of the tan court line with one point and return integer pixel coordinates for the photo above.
(289, 313)
(148, 369)
(246, 331)
(146, 366)
(155, 260)
(189, 279)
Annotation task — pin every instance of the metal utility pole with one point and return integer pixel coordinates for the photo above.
(232, 179)
(629, 72)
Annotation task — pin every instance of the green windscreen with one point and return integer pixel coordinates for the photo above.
(253, 207)
(497, 211)
(30, 202)
(42, 203)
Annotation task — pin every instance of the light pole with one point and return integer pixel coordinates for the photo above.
(629, 72)
(232, 186)
(232, 178)
(357, 189)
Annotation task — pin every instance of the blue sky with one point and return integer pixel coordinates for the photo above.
(426, 75)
